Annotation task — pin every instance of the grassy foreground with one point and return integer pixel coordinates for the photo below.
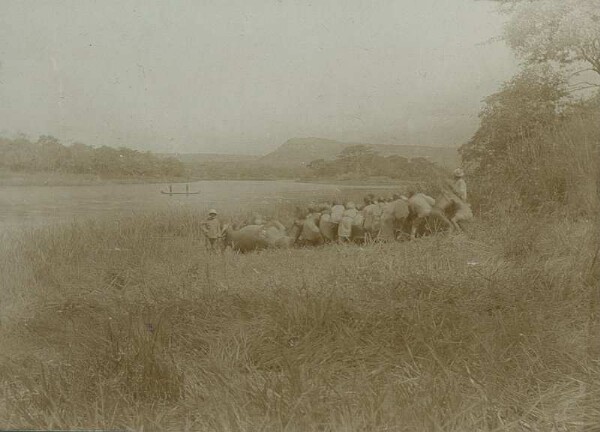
(131, 324)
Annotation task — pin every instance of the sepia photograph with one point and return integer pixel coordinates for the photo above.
(300, 215)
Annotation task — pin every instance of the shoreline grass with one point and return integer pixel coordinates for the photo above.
(49, 179)
(131, 324)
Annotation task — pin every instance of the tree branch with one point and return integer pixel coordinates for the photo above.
(591, 59)
(581, 71)
(577, 87)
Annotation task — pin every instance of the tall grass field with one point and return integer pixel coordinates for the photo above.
(131, 324)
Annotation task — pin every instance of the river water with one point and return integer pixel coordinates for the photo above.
(25, 206)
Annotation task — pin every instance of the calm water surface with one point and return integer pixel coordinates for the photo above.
(24, 206)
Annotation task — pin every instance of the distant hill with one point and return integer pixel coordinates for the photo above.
(301, 151)
(298, 152)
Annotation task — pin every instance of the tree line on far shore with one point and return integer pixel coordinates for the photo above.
(361, 161)
(48, 154)
(357, 162)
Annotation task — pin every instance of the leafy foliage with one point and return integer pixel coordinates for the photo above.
(49, 155)
(361, 161)
(552, 165)
(536, 148)
(526, 105)
(563, 31)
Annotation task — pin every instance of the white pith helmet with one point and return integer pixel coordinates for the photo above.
(458, 172)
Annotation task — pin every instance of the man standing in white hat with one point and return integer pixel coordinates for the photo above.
(212, 229)
(460, 186)
(462, 210)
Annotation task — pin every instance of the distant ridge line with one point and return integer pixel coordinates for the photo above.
(296, 152)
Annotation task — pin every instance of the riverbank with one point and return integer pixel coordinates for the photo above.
(362, 182)
(11, 178)
(130, 324)
(16, 179)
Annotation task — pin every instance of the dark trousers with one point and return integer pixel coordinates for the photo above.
(212, 244)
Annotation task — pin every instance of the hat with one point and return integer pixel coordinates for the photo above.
(458, 172)
(212, 211)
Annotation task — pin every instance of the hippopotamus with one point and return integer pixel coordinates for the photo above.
(257, 237)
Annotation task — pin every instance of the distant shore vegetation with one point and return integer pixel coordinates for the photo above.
(362, 162)
(355, 163)
(48, 155)
(46, 161)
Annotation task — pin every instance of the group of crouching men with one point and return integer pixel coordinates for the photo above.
(377, 219)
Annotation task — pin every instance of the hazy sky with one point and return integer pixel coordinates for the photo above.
(245, 75)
